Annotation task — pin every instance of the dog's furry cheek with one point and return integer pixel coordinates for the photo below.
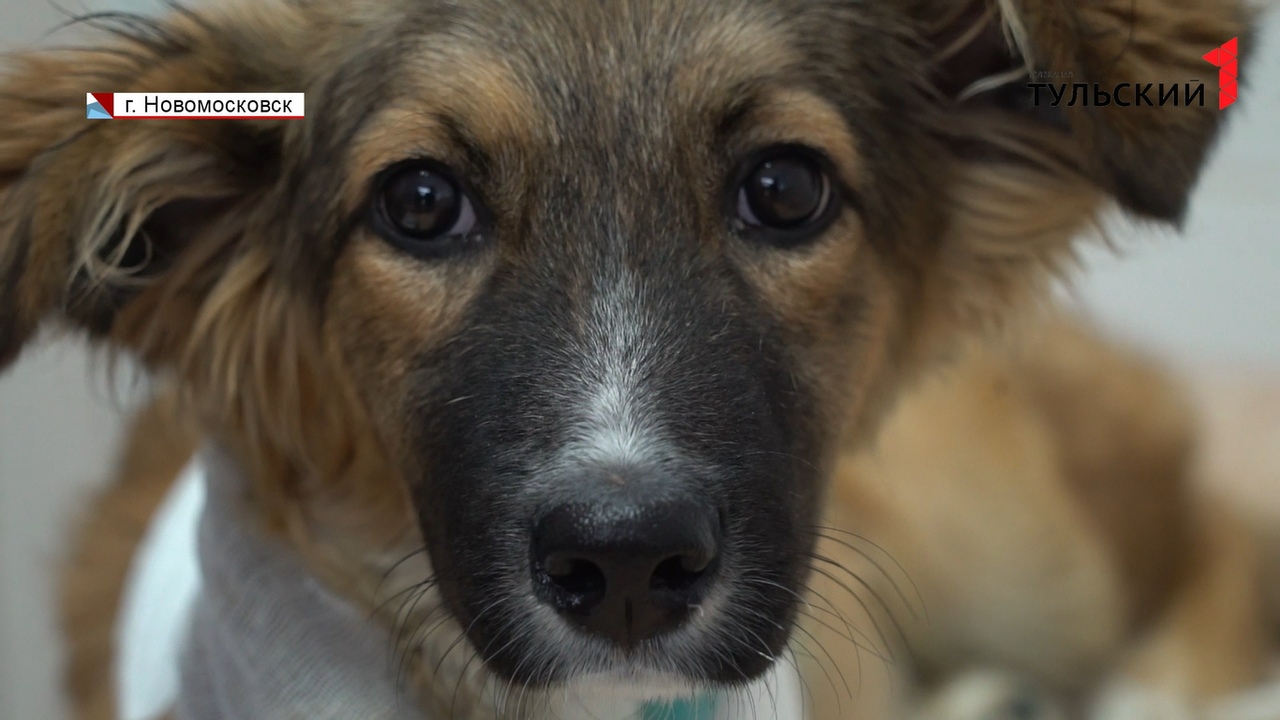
(838, 305)
(385, 311)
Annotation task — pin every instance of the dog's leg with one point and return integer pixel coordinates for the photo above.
(158, 447)
(990, 695)
(1212, 640)
(1192, 568)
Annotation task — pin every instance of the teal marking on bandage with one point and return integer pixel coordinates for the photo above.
(700, 708)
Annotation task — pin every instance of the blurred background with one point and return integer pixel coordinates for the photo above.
(1208, 301)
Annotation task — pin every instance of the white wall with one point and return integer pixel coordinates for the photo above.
(1212, 294)
(1215, 291)
(57, 434)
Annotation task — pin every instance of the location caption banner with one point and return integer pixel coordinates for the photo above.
(195, 106)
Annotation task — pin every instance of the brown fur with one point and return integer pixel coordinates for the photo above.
(291, 333)
(160, 443)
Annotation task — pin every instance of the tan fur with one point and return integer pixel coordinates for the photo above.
(1007, 517)
(1213, 640)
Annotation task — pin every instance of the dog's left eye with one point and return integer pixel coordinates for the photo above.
(421, 207)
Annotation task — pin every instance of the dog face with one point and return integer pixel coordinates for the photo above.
(618, 375)
(583, 296)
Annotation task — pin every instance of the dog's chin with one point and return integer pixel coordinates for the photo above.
(633, 687)
(650, 681)
(710, 652)
(614, 695)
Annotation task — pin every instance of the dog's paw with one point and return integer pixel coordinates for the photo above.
(990, 695)
(1131, 702)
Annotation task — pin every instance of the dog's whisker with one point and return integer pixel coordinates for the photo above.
(405, 647)
(462, 636)
(860, 640)
(871, 616)
(480, 653)
(462, 679)
(822, 662)
(871, 589)
(848, 636)
(514, 638)
(399, 595)
(521, 698)
(386, 576)
(843, 680)
(405, 615)
(422, 637)
(771, 659)
(410, 644)
(822, 530)
(805, 604)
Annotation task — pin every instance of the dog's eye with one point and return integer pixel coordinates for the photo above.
(786, 196)
(423, 208)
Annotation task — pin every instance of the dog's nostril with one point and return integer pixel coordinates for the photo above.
(679, 573)
(582, 579)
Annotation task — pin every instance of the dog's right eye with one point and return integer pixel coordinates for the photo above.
(421, 206)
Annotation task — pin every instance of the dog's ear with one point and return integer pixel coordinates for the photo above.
(93, 213)
(1027, 175)
(1121, 85)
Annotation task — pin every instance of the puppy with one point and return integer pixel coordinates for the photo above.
(531, 354)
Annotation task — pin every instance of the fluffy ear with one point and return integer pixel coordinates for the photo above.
(93, 213)
(1028, 177)
(201, 247)
(1145, 154)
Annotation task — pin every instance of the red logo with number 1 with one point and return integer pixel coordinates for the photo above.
(1226, 60)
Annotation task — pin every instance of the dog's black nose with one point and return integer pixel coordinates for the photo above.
(626, 571)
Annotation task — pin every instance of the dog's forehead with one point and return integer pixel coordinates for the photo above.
(643, 84)
(612, 42)
(573, 68)
(612, 89)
